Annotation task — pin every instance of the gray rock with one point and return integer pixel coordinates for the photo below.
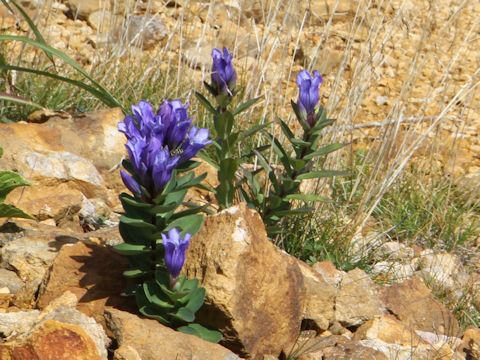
(144, 31)
(10, 280)
(357, 299)
(20, 322)
(30, 257)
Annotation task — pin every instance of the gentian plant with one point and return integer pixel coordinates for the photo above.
(157, 224)
(228, 133)
(273, 198)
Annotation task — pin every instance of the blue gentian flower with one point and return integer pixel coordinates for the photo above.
(308, 96)
(175, 248)
(224, 77)
(157, 142)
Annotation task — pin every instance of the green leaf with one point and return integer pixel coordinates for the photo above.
(137, 223)
(212, 336)
(203, 100)
(253, 130)
(322, 174)
(1, 151)
(92, 90)
(210, 88)
(244, 106)
(189, 224)
(156, 297)
(130, 200)
(299, 142)
(282, 154)
(131, 249)
(7, 211)
(208, 159)
(19, 100)
(192, 210)
(57, 53)
(134, 273)
(10, 180)
(223, 124)
(301, 116)
(192, 182)
(286, 130)
(324, 150)
(306, 197)
(184, 314)
(196, 300)
(298, 211)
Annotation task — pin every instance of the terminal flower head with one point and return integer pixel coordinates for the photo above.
(224, 77)
(308, 96)
(157, 142)
(175, 248)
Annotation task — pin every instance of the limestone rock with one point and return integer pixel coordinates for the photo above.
(329, 272)
(53, 340)
(146, 339)
(319, 298)
(388, 329)
(443, 270)
(93, 273)
(338, 348)
(93, 136)
(254, 291)
(357, 299)
(47, 202)
(104, 21)
(19, 322)
(413, 304)
(471, 343)
(144, 31)
(10, 280)
(83, 8)
(30, 258)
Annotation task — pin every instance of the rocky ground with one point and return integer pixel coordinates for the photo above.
(60, 283)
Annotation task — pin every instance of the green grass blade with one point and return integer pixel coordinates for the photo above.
(19, 100)
(65, 58)
(98, 94)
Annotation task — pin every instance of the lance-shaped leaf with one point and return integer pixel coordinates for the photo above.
(325, 150)
(244, 106)
(322, 174)
(19, 100)
(203, 100)
(10, 180)
(300, 116)
(131, 249)
(202, 332)
(189, 224)
(307, 197)
(7, 211)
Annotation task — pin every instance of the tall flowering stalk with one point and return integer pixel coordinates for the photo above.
(223, 88)
(156, 233)
(299, 163)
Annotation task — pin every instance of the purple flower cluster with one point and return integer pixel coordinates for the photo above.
(175, 248)
(157, 142)
(309, 96)
(224, 77)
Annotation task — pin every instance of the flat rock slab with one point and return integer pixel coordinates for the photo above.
(93, 273)
(412, 303)
(147, 339)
